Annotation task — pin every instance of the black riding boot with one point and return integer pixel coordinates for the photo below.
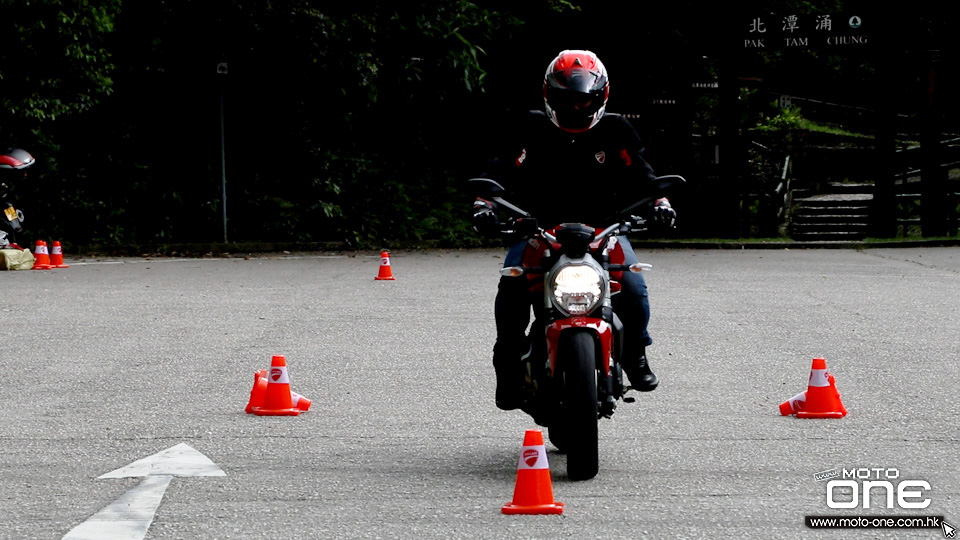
(509, 395)
(641, 377)
(513, 314)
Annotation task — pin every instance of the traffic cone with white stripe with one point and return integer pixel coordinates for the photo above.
(386, 273)
(56, 256)
(277, 400)
(533, 493)
(259, 393)
(794, 404)
(41, 256)
(823, 399)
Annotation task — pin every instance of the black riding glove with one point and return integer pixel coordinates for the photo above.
(485, 219)
(664, 216)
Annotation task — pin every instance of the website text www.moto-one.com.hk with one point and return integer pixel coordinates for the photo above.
(874, 522)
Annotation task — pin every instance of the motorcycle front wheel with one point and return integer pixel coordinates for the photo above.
(576, 429)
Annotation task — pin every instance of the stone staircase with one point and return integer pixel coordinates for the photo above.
(835, 212)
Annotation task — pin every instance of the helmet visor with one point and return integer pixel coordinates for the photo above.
(574, 110)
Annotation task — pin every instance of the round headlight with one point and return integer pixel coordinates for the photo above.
(577, 289)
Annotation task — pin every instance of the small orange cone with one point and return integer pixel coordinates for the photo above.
(299, 401)
(833, 386)
(794, 404)
(259, 393)
(56, 256)
(41, 256)
(823, 399)
(277, 400)
(533, 493)
(385, 272)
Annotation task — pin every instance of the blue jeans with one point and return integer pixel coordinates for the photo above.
(512, 309)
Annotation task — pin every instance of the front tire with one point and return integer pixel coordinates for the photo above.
(577, 359)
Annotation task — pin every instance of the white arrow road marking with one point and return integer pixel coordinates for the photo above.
(130, 516)
(179, 460)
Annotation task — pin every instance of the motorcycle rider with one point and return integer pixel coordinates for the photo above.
(558, 159)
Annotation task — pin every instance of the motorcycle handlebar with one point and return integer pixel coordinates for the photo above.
(633, 223)
(493, 190)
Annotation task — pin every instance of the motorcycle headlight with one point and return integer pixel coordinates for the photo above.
(577, 289)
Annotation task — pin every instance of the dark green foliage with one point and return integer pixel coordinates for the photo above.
(342, 121)
(53, 59)
(348, 121)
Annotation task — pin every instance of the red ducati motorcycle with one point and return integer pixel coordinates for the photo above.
(572, 369)
(13, 161)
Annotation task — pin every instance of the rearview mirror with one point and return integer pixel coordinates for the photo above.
(486, 186)
(663, 186)
(669, 182)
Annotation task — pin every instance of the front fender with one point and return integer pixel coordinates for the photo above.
(599, 327)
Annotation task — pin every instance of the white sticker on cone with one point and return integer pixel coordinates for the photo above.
(278, 375)
(533, 457)
(818, 377)
(797, 402)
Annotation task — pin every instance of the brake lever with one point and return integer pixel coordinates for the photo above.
(639, 223)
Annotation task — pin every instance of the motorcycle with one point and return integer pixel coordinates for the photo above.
(12, 161)
(572, 370)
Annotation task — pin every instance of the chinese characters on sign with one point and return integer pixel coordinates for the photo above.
(792, 31)
(790, 24)
(824, 23)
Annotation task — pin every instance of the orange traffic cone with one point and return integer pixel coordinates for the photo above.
(41, 256)
(277, 400)
(56, 256)
(794, 404)
(259, 393)
(823, 399)
(300, 402)
(833, 386)
(385, 272)
(533, 493)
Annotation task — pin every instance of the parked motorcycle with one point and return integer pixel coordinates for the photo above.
(572, 371)
(12, 162)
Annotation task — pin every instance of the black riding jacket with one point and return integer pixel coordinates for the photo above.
(563, 177)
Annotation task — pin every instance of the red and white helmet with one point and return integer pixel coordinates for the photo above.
(15, 158)
(575, 90)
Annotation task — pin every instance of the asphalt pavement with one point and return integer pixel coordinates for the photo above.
(114, 360)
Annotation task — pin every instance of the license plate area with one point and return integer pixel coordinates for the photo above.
(10, 213)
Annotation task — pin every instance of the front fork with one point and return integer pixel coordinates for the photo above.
(608, 337)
